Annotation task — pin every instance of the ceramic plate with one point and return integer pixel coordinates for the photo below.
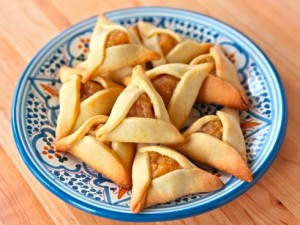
(35, 109)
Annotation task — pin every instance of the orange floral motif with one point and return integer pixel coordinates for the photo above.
(231, 57)
(49, 151)
(84, 45)
(245, 125)
(50, 90)
(52, 153)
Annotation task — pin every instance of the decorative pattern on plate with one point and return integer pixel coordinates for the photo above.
(50, 66)
(36, 106)
(78, 47)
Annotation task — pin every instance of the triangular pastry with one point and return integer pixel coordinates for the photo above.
(126, 124)
(227, 90)
(172, 47)
(79, 102)
(180, 96)
(217, 141)
(160, 174)
(113, 47)
(113, 160)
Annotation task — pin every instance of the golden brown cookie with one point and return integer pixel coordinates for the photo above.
(113, 160)
(123, 128)
(160, 174)
(172, 47)
(217, 141)
(78, 101)
(113, 47)
(223, 86)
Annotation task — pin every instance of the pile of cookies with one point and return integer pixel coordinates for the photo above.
(122, 109)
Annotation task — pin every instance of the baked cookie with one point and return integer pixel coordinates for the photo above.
(172, 47)
(217, 141)
(223, 80)
(139, 115)
(112, 159)
(160, 174)
(78, 101)
(113, 47)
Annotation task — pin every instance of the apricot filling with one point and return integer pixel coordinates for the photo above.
(165, 85)
(89, 88)
(161, 164)
(166, 43)
(117, 37)
(214, 128)
(142, 107)
(92, 131)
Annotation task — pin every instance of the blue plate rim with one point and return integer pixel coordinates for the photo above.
(183, 213)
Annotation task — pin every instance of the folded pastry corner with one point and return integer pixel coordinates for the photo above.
(160, 174)
(113, 47)
(172, 47)
(113, 160)
(217, 141)
(139, 115)
(224, 88)
(217, 91)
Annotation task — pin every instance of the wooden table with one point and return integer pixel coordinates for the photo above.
(274, 25)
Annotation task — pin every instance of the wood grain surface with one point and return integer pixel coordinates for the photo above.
(25, 26)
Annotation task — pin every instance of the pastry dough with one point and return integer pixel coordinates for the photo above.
(232, 133)
(73, 112)
(228, 90)
(134, 129)
(227, 154)
(186, 51)
(182, 180)
(114, 161)
(225, 69)
(69, 101)
(183, 51)
(119, 75)
(187, 89)
(217, 91)
(102, 59)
